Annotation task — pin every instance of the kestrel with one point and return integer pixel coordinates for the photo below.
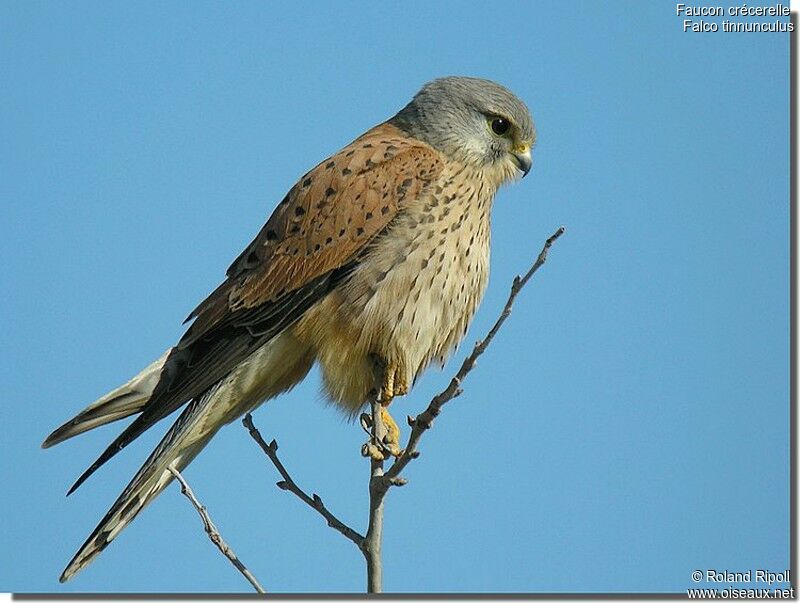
(372, 265)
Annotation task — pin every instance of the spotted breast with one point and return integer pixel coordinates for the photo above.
(412, 297)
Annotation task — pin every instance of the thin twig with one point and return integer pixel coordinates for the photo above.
(212, 531)
(374, 538)
(423, 421)
(288, 484)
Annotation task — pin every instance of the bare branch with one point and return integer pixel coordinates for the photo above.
(380, 480)
(288, 484)
(373, 541)
(212, 531)
(424, 420)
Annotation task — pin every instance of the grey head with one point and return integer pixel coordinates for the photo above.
(471, 120)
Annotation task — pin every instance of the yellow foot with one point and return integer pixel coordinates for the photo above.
(392, 438)
(390, 444)
(394, 384)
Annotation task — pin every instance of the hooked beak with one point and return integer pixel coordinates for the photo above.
(523, 160)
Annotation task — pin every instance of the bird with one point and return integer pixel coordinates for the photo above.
(372, 266)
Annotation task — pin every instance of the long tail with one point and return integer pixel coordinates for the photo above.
(184, 440)
(123, 402)
(273, 368)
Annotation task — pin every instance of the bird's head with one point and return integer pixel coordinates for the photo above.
(473, 121)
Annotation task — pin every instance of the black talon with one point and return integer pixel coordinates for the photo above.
(365, 420)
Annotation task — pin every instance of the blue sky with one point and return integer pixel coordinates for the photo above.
(629, 425)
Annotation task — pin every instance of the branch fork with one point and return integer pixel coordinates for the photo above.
(380, 481)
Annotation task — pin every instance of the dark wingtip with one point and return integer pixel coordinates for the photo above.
(107, 454)
(84, 476)
(118, 444)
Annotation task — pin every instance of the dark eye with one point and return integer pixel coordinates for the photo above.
(499, 126)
